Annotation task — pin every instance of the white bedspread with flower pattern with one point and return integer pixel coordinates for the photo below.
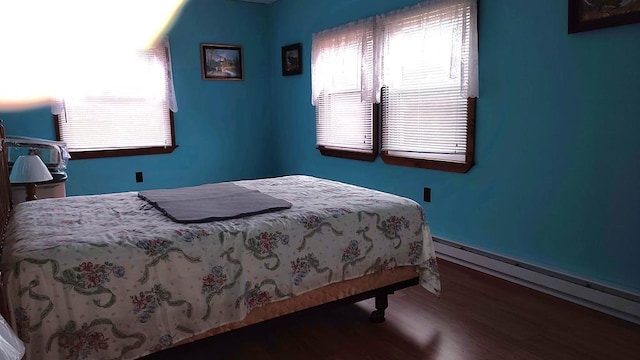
(108, 276)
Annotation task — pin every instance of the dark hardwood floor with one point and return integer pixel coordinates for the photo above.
(477, 317)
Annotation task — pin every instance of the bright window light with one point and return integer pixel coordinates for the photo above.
(71, 39)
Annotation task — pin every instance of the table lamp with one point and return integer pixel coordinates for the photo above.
(29, 170)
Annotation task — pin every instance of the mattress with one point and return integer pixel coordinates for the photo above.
(110, 276)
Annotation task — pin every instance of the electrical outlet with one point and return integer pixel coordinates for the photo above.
(139, 176)
(427, 194)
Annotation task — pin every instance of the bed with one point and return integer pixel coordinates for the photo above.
(111, 277)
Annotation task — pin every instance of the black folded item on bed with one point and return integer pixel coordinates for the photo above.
(212, 202)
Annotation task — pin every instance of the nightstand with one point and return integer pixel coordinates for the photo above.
(54, 189)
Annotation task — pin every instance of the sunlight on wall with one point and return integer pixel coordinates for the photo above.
(46, 43)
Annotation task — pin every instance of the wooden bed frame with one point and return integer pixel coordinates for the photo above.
(5, 189)
(377, 285)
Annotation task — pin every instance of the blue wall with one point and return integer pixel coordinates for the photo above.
(557, 175)
(222, 127)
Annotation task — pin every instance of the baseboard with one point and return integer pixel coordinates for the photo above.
(612, 301)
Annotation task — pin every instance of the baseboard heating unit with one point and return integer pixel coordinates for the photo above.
(616, 302)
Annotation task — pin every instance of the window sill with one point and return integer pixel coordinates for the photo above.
(457, 167)
(347, 154)
(76, 155)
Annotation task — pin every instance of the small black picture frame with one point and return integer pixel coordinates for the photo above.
(292, 59)
(587, 15)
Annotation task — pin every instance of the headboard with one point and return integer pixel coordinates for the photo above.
(5, 189)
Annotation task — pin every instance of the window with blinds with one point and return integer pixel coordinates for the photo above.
(123, 112)
(342, 58)
(427, 114)
(420, 63)
(344, 122)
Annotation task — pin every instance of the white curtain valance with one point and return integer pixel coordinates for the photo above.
(170, 90)
(442, 36)
(342, 59)
(144, 74)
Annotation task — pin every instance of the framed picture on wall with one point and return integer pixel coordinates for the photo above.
(587, 15)
(292, 59)
(221, 62)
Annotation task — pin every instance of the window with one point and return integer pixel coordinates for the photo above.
(342, 59)
(429, 73)
(125, 111)
(424, 74)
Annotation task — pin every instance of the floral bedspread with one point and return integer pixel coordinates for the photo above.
(110, 277)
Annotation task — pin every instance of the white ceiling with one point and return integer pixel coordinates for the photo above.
(260, 1)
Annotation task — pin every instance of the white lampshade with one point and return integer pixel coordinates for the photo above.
(29, 169)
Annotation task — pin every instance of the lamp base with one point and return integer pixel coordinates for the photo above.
(31, 192)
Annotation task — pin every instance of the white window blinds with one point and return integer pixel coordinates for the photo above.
(124, 106)
(428, 56)
(425, 57)
(342, 64)
(112, 123)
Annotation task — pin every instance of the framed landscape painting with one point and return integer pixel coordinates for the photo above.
(221, 62)
(587, 15)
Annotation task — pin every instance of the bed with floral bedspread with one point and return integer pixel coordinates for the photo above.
(109, 276)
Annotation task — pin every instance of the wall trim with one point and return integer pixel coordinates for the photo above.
(616, 302)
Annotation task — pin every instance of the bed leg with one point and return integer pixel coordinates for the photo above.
(377, 316)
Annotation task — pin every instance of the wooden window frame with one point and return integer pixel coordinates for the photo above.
(95, 154)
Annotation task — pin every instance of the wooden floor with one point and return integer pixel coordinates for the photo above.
(477, 317)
